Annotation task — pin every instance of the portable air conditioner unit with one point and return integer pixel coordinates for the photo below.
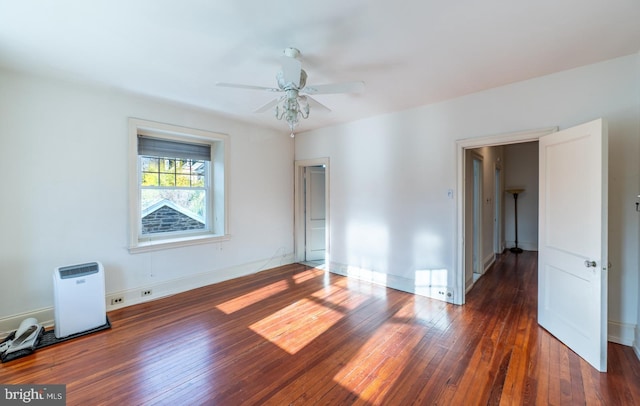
(79, 298)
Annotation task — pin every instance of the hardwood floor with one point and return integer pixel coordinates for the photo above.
(296, 335)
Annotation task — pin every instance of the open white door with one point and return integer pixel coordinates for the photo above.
(315, 221)
(572, 270)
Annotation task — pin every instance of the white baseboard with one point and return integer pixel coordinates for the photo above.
(174, 286)
(488, 261)
(622, 333)
(134, 296)
(468, 285)
(8, 324)
(486, 264)
(437, 289)
(525, 245)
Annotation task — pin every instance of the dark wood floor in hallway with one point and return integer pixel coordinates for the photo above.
(298, 335)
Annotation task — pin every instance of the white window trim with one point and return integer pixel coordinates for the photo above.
(220, 218)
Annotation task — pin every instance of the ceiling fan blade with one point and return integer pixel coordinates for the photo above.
(291, 68)
(267, 106)
(348, 87)
(316, 104)
(248, 87)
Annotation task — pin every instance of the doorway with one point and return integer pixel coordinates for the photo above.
(314, 213)
(564, 243)
(476, 231)
(465, 231)
(311, 215)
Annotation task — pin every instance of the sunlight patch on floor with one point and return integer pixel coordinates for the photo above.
(252, 297)
(307, 275)
(295, 326)
(341, 297)
(380, 361)
(368, 282)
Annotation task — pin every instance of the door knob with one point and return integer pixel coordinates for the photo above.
(590, 264)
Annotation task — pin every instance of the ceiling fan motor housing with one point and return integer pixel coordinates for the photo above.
(292, 52)
(289, 85)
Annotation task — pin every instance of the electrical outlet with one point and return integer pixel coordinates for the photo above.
(117, 300)
(445, 294)
(146, 292)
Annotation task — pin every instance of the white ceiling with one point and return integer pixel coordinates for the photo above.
(408, 52)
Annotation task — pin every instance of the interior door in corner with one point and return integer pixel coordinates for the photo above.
(315, 221)
(572, 265)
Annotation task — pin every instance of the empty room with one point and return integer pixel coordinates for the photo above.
(365, 202)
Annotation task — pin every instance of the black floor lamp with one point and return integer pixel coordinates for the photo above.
(515, 193)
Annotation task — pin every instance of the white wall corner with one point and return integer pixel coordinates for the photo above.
(623, 333)
(434, 291)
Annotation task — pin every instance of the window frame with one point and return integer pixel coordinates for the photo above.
(217, 206)
(208, 217)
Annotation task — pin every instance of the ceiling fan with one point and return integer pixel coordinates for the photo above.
(296, 101)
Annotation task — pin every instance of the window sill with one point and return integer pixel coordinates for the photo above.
(166, 244)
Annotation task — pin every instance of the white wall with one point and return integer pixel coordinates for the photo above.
(64, 195)
(391, 218)
(521, 171)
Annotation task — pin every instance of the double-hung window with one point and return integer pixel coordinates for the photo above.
(178, 186)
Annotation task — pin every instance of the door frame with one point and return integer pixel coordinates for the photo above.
(461, 229)
(498, 207)
(312, 196)
(299, 206)
(477, 203)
